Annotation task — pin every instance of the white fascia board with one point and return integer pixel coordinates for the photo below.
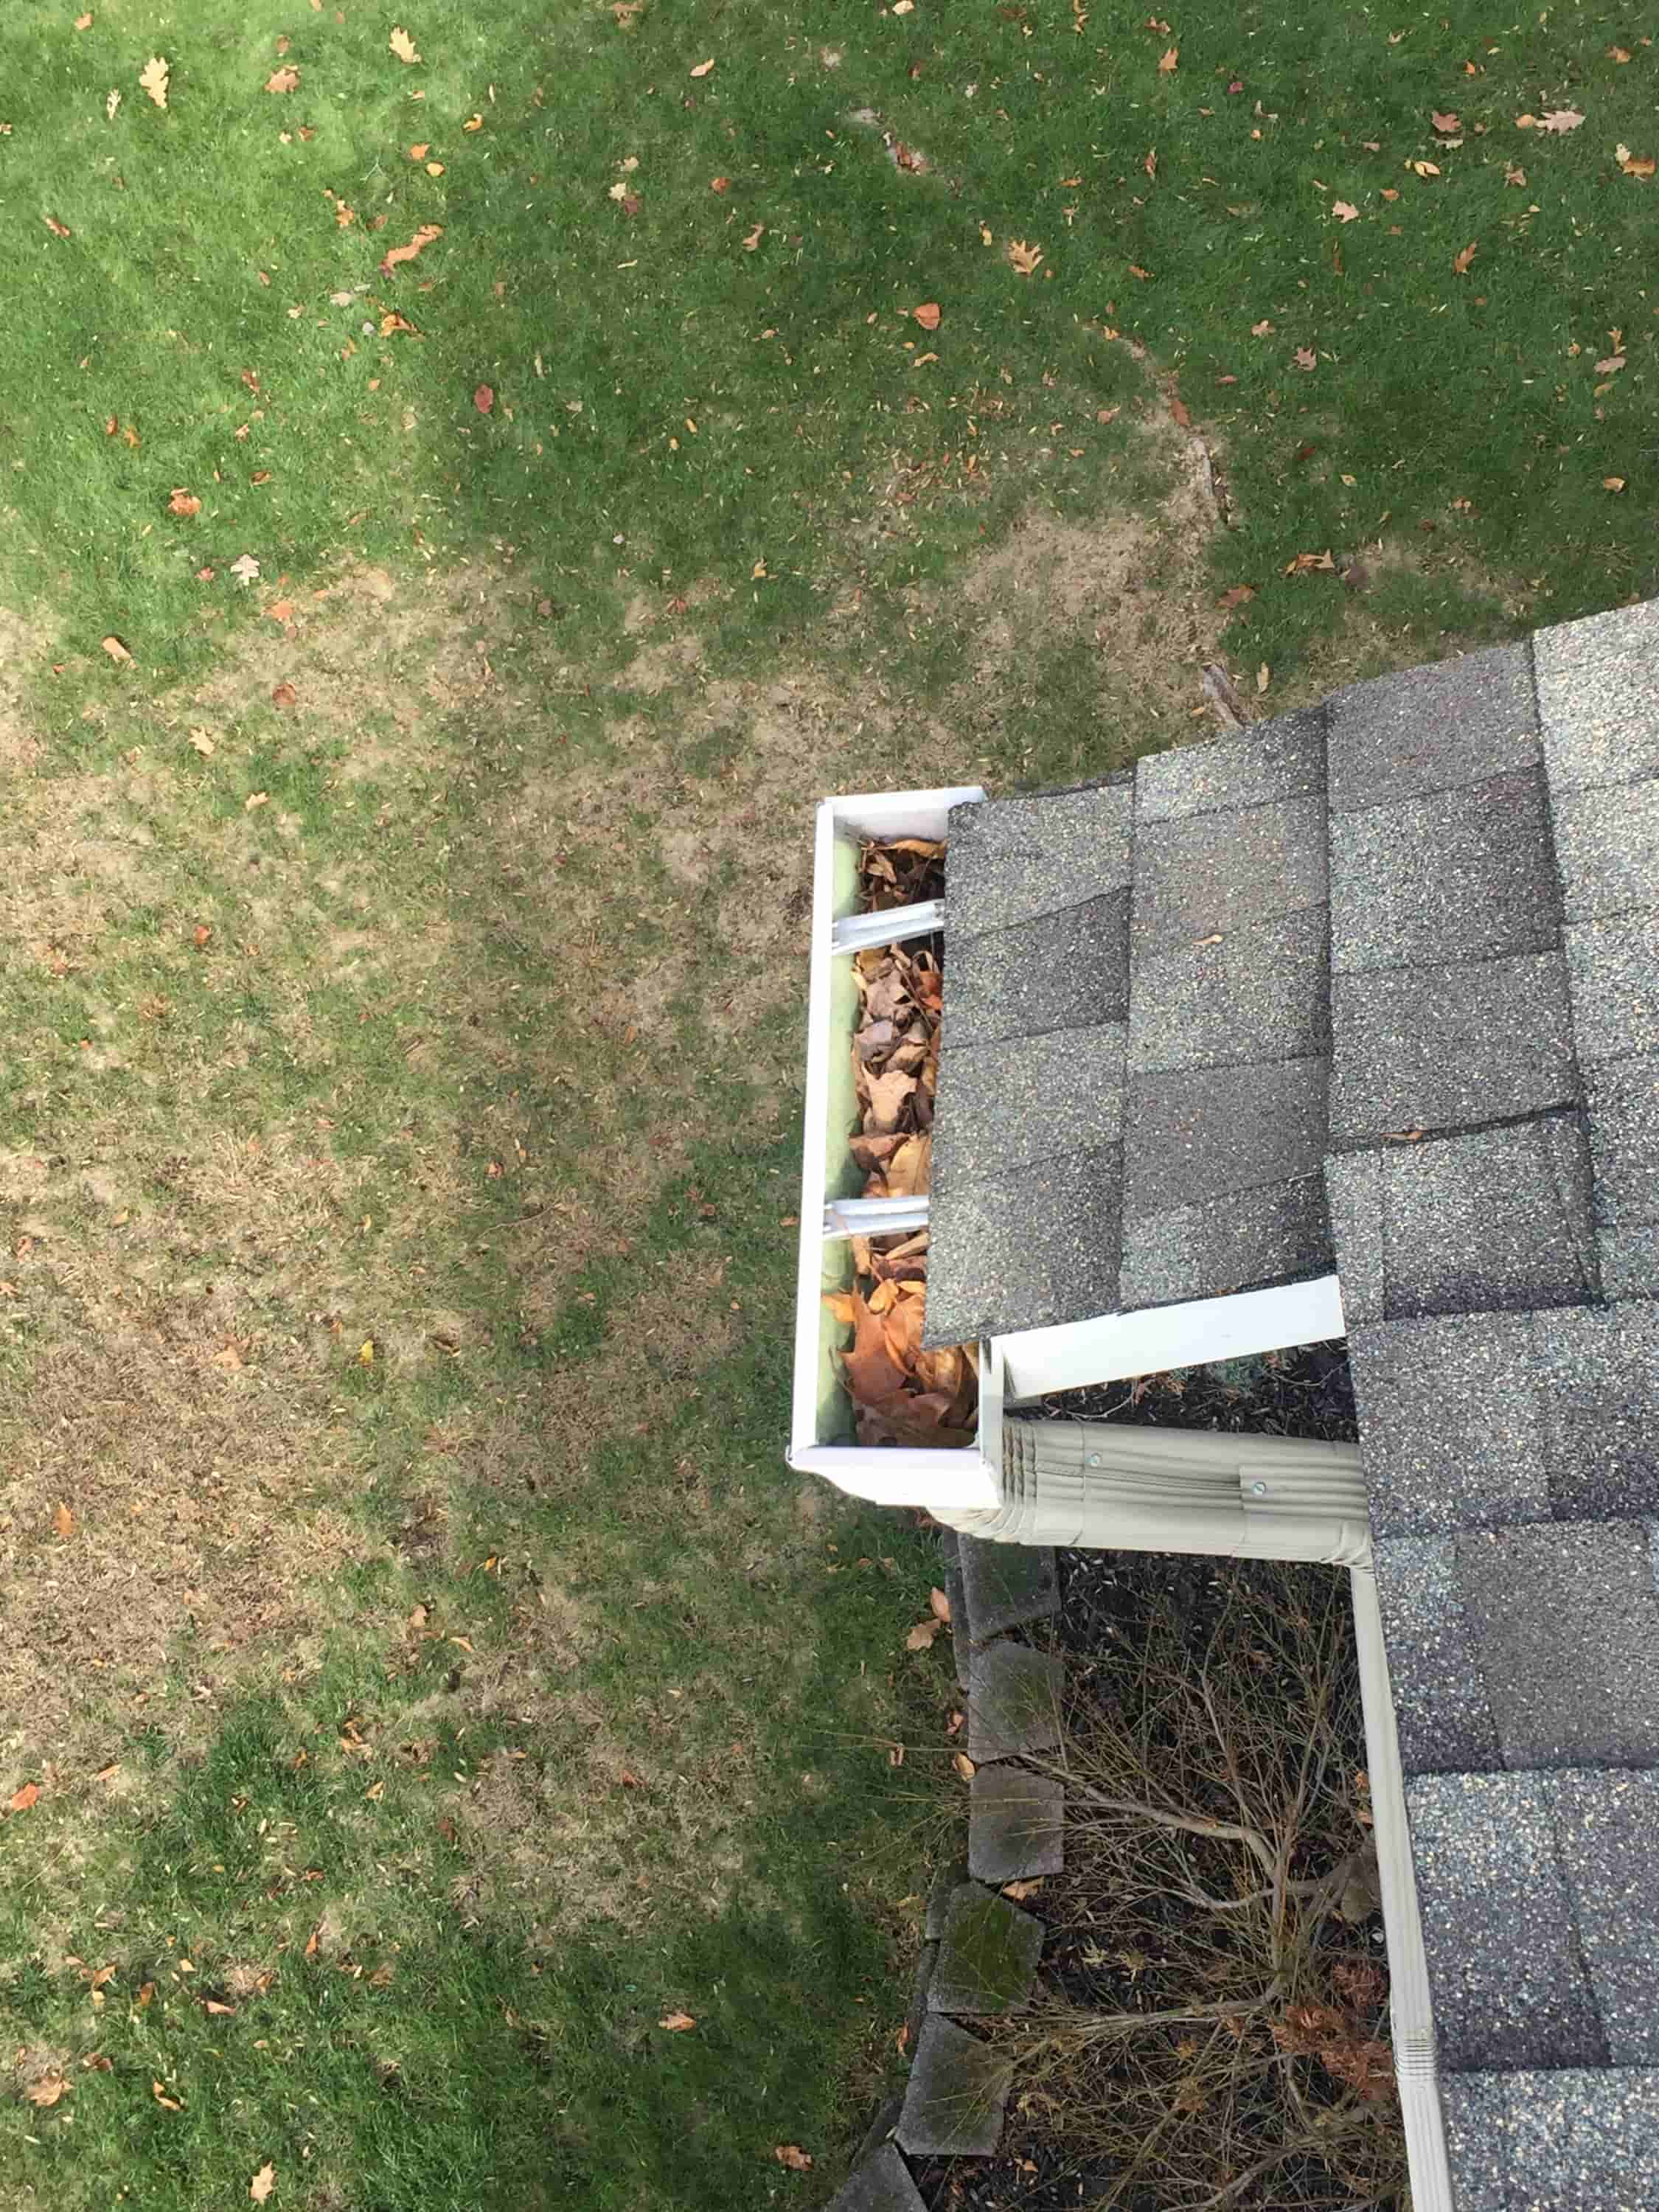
(1113, 1345)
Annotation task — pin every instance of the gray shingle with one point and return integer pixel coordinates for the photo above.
(1607, 842)
(1475, 2108)
(1193, 1134)
(1067, 970)
(1508, 1985)
(1275, 1234)
(1598, 692)
(1354, 1187)
(1450, 1433)
(1000, 1106)
(1430, 729)
(1584, 2141)
(1025, 1252)
(1567, 1625)
(1613, 974)
(1261, 993)
(1283, 758)
(1219, 872)
(1446, 1045)
(1622, 1096)
(1011, 859)
(1607, 1827)
(1440, 1703)
(1489, 1221)
(1565, 1138)
(1464, 875)
(1630, 1263)
(1598, 1392)
(1566, 2142)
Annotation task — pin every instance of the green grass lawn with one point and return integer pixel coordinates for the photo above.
(432, 1678)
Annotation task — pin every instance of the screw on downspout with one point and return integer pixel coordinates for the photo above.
(1259, 1489)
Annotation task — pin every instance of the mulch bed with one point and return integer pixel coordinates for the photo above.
(1119, 1603)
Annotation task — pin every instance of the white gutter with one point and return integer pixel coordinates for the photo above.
(1118, 1486)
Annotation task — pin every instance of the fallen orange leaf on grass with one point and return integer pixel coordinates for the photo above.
(676, 2022)
(397, 255)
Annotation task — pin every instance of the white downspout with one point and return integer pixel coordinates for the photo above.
(1411, 2012)
(1097, 1486)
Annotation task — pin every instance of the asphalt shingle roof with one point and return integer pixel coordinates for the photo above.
(1378, 986)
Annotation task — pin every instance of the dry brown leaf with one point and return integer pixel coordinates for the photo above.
(284, 695)
(940, 1605)
(1179, 414)
(1620, 54)
(1169, 60)
(676, 2022)
(1611, 365)
(402, 44)
(1613, 484)
(396, 256)
(1515, 175)
(286, 79)
(184, 503)
(1264, 676)
(927, 315)
(117, 652)
(57, 230)
(153, 78)
(1262, 329)
(1020, 1891)
(920, 1638)
(1423, 168)
(1306, 357)
(168, 2103)
(1445, 123)
(84, 23)
(262, 2182)
(63, 1521)
(1561, 119)
(872, 1374)
(1023, 259)
(754, 237)
(1461, 261)
(702, 68)
(791, 2155)
(1345, 211)
(1305, 563)
(473, 123)
(963, 1765)
(1635, 165)
(47, 2090)
(1236, 596)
